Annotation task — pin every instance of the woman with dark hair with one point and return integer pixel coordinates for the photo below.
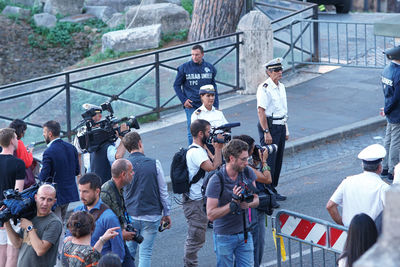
(361, 236)
(77, 251)
(109, 260)
(22, 152)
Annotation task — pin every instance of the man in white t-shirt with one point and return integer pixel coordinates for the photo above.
(361, 193)
(196, 159)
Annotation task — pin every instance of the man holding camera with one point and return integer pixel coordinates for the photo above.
(272, 115)
(38, 239)
(230, 192)
(146, 197)
(196, 160)
(112, 195)
(89, 189)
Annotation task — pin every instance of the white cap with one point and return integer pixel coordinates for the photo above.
(274, 63)
(91, 106)
(372, 153)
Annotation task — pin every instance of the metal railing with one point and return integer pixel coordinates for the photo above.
(324, 239)
(350, 44)
(143, 82)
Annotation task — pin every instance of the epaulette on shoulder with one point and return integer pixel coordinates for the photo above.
(197, 112)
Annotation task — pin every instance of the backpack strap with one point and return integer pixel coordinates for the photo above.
(221, 181)
(200, 173)
(97, 212)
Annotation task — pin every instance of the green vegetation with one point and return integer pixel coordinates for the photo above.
(178, 36)
(147, 118)
(3, 4)
(188, 6)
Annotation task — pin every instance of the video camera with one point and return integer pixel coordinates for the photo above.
(270, 148)
(18, 204)
(95, 134)
(224, 130)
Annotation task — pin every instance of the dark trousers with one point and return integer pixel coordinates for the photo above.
(278, 133)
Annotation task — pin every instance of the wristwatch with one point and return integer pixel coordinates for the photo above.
(266, 131)
(29, 228)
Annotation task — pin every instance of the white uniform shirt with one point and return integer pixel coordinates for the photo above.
(362, 193)
(215, 117)
(272, 98)
(194, 158)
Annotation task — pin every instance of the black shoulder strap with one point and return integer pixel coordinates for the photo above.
(97, 212)
(221, 181)
(200, 174)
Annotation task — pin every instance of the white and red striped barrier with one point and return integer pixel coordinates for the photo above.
(311, 230)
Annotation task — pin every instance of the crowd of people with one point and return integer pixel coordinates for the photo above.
(124, 197)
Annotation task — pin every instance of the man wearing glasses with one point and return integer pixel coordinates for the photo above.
(272, 116)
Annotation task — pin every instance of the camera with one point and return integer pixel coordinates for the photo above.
(18, 204)
(92, 135)
(270, 148)
(137, 238)
(224, 130)
(247, 192)
(163, 226)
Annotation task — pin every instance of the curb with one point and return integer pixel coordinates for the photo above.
(335, 134)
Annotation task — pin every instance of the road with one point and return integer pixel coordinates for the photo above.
(309, 178)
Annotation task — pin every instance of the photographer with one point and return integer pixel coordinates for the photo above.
(258, 163)
(146, 197)
(230, 192)
(38, 239)
(112, 195)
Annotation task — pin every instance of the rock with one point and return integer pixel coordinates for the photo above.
(132, 39)
(118, 5)
(63, 7)
(172, 18)
(258, 40)
(78, 18)
(149, 2)
(103, 13)
(116, 20)
(45, 20)
(16, 11)
(27, 3)
(87, 28)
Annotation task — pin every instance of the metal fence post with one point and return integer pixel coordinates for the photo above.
(237, 44)
(157, 74)
(315, 56)
(68, 106)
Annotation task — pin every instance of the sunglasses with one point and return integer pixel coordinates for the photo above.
(277, 69)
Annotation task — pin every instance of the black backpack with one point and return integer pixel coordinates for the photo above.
(179, 172)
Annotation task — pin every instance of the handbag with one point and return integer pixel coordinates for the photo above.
(267, 200)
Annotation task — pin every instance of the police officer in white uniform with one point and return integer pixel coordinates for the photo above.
(207, 111)
(361, 193)
(272, 115)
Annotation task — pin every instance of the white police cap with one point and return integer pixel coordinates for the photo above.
(207, 89)
(97, 109)
(373, 153)
(274, 63)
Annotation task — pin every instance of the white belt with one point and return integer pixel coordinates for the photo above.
(279, 122)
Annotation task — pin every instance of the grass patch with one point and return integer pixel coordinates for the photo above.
(147, 118)
(178, 36)
(188, 6)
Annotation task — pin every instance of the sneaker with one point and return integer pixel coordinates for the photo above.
(384, 173)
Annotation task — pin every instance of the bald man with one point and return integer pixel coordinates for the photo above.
(38, 239)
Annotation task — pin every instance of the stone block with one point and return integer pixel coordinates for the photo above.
(118, 5)
(103, 13)
(45, 20)
(256, 51)
(132, 39)
(63, 7)
(78, 18)
(149, 2)
(27, 3)
(16, 11)
(172, 18)
(388, 27)
(116, 20)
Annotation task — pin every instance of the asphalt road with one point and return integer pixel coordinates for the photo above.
(309, 179)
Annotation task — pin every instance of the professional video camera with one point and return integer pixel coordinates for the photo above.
(18, 204)
(224, 130)
(137, 238)
(94, 134)
(270, 148)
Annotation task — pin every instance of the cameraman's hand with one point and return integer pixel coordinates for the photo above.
(166, 219)
(268, 138)
(236, 193)
(217, 146)
(128, 236)
(264, 155)
(110, 233)
(25, 223)
(123, 128)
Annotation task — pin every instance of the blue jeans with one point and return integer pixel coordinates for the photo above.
(148, 230)
(225, 246)
(189, 112)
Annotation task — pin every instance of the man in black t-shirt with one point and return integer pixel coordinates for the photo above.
(12, 174)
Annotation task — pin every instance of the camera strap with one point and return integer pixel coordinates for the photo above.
(98, 212)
